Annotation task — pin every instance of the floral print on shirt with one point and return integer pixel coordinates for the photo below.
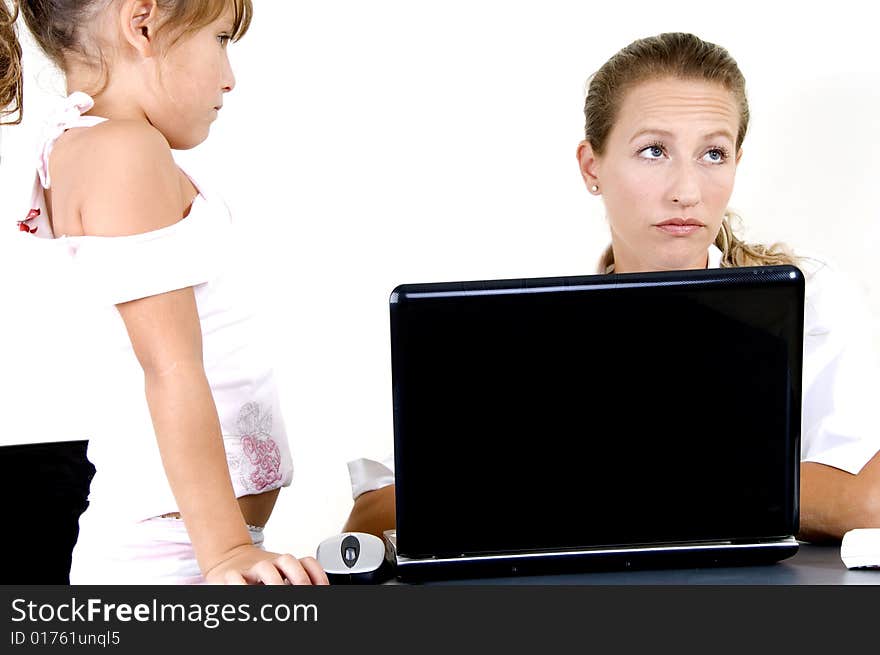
(258, 464)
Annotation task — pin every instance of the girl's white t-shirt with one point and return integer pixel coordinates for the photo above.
(199, 251)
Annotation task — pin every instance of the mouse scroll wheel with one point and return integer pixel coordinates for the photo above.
(350, 550)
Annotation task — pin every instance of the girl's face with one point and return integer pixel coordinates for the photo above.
(667, 173)
(192, 77)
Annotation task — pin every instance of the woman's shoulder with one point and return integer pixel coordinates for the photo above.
(834, 299)
(825, 277)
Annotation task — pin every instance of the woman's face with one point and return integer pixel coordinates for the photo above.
(666, 173)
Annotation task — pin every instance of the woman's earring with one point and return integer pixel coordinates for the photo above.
(595, 188)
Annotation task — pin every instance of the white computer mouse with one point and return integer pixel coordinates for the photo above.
(353, 558)
(860, 548)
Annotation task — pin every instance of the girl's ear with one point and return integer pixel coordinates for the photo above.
(138, 20)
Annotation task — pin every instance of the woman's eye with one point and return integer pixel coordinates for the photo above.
(224, 39)
(715, 156)
(651, 152)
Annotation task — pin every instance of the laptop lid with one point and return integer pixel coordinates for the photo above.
(585, 412)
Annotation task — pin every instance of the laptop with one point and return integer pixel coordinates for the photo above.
(596, 422)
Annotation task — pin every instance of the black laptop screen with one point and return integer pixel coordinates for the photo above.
(561, 413)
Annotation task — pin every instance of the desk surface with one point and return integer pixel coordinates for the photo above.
(811, 565)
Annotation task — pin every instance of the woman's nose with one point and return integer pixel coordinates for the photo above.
(685, 188)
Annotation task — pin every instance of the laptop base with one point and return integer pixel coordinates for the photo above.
(655, 556)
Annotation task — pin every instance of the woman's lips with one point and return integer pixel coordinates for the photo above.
(679, 227)
(678, 230)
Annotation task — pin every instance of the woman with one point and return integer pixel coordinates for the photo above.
(665, 121)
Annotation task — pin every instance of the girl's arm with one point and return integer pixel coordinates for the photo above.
(135, 188)
(165, 332)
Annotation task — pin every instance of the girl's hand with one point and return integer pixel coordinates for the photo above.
(251, 565)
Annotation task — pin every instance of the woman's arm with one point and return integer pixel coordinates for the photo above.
(373, 512)
(834, 501)
(840, 477)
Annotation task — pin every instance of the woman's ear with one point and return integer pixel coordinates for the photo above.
(589, 166)
(138, 20)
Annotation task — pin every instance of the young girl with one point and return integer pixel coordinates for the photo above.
(188, 440)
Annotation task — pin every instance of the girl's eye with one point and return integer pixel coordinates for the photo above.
(224, 40)
(651, 152)
(715, 156)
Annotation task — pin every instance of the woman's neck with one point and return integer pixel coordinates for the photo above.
(625, 262)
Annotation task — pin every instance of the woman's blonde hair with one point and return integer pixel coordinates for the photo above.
(687, 57)
(61, 29)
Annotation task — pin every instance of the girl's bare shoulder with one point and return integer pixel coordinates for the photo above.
(121, 176)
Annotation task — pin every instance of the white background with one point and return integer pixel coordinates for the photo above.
(370, 144)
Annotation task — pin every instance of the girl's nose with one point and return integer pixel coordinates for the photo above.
(228, 80)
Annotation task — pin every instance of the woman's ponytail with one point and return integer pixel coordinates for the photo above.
(736, 252)
(11, 81)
